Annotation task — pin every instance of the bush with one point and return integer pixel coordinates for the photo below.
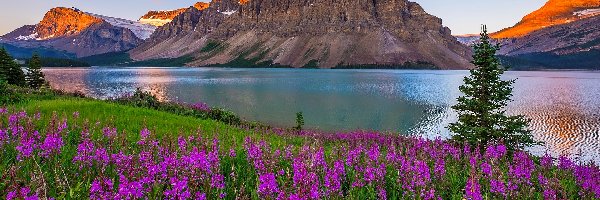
(9, 96)
(225, 116)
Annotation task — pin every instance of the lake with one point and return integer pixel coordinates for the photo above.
(564, 106)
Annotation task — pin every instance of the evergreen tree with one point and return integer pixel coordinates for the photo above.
(482, 116)
(10, 70)
(5, 62)
(35, 77)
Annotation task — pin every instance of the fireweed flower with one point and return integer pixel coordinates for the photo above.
(109, 132)
(200, 106)
(232, 153)
(486, 169)
(25, 147)
(440, 168)
(51, 145)
(549, 194)
(522, 167)
(267, 185)
(3, 137)
(101, 189)
(546, 161)
(473, 190)
(23, 193)
(85, 154)
(497, 187)
(565, 163)
(179, 189)
(129, 189)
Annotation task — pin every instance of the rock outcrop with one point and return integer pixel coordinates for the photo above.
(59, 22)
(554, 12)
(160, 18)
(317, 33)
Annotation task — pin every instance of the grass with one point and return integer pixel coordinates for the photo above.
(132, 120)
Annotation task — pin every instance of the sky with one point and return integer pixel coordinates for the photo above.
(462, 16)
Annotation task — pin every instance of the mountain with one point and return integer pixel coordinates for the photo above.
(160, 18)
(299, 33)
(560, 35)
(572, 45)
(554, 12)
(77, 32)
(467, 39)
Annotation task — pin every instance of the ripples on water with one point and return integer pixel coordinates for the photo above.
(564, 106)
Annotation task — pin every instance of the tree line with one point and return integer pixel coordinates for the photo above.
(11, 72)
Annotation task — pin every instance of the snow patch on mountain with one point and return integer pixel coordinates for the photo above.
(587, 12)
(231, 12)
(33, 36)
(154, 22)
(141, 30)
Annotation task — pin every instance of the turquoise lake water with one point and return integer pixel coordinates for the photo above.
(564, 106)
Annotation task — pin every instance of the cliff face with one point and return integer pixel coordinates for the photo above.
(74, 31)
(554, 12)
(326, 33)
(160, 18)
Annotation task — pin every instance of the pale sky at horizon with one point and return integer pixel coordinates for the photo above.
(462, 16)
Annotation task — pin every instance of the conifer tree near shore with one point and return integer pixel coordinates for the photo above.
(35, 77)
(5, 62)
(482, 115)
(10, 71)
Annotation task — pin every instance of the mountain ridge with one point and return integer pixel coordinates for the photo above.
(554, 12)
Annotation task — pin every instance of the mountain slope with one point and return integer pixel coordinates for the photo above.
(297, 33)
(571, 45)
(554, 12)
(581, 35)
(73, 31)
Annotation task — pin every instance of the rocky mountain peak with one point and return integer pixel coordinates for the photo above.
(554, 12)
(59, 22)
(315, 33)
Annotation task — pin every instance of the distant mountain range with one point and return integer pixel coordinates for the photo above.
(308, 34)
(254, 33)
(560, 35)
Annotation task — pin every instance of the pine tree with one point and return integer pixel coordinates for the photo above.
(5, 62)
(10, 70)
(35, 77)
(482, 116)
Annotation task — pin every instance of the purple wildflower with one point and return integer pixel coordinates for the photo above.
(486, 169)
(200, 106)
(473, 190)
(497, 187)
(51, 145)
(267, 185)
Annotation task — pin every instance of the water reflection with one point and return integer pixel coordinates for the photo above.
(564, 106)
(562, 115)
